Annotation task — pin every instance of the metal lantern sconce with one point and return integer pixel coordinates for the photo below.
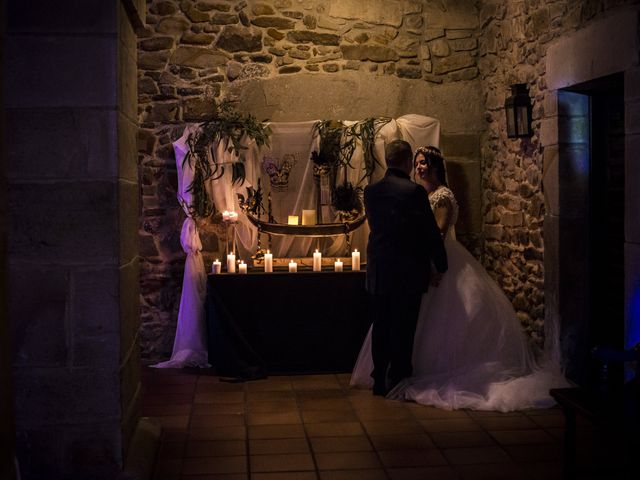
(518, 110)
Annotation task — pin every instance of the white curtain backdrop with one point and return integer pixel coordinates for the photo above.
(290, 142)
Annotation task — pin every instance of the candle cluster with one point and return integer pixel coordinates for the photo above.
(338, 266)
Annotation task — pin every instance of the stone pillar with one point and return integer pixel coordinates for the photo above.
(73, 260)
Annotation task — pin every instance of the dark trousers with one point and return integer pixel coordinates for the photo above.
(394, 327)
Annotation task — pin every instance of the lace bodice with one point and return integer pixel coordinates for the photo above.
(444, 198)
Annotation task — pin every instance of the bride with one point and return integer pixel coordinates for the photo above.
(469, 349)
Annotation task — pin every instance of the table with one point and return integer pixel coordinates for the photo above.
(305, 322)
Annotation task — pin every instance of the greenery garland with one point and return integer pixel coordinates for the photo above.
(232, 128)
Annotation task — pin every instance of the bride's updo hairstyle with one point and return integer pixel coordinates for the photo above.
(435, 161)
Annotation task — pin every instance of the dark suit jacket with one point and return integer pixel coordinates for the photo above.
(404, 237)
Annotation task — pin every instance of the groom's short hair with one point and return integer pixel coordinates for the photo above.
(397, 153)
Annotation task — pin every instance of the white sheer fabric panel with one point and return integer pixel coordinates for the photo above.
(189, 346)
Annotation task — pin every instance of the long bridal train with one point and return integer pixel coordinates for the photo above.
(469, 349)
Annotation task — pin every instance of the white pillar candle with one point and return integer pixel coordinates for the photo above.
(216, 267)
(317, 261)
(355, 260)
(293, 220)
(308, 217)
(231, 263)
(338, 266)
(293, 267)
(242, 268)
(268, 262)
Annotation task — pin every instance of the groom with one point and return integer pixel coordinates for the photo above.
(403, 241)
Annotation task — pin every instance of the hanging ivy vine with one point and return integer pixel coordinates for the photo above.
(232, 128)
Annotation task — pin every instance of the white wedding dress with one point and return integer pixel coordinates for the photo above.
(469, 349)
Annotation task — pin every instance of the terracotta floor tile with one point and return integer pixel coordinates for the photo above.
(281, 463)
(278, 445)
(219, 397)
(424, 411)
(489, 413)
(215, 448)
(543, 411)
(174, 389)
(168, 466)
(269, 385)
(321, 416)
(218, 408)
(461, 439)
(545, 470)
(224, 420)
(272, 406)
(497, 471)
(207, 387)
(319, 393)
(473, 455)
(423, 473)
(521, 437)
(219, 476)
(332, 404)
(535, 453)
(270, 396)
(305, 383)
(384, 413)
(392, 427)
(347, 460)
(331, 429)
(557, 433)
(206, 465)
(403, 441)
(369, 474)
(275, 431)
(450, 425)
(507, 423)
(412, 458)
(549, 421)
(284, 476)
(275, 418)
(340, 444)
(218, 433)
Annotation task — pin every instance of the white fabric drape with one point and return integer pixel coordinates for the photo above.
(190, 344)
(289, 140)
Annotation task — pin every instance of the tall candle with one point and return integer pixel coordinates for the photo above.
(268, 262)
(338, 266)
(242, 268)
(231, 263)
(293, 220)
(317, 261)
(216, 267)
(308, 217)
(355, 260)
(293, 267)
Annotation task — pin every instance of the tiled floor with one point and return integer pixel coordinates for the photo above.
(316, 427)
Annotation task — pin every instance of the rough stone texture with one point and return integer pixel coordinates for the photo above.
(545, 46)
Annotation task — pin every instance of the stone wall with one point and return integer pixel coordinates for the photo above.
(512, 49)
(72, 189)
(289, 60)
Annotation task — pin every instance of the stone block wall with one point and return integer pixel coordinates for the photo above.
(72, 189)
(294, 60)
(513, 48)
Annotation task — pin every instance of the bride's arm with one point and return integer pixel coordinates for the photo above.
(443, 211)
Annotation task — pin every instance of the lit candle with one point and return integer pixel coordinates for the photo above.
(231, 263)
(317, 261)
(338, 265)
(355, 260)
(308, 217)
(268, 262)
(242, 268)
(216, 267)
(293, 220)
(293, 267)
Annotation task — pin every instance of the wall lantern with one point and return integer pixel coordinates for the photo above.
(518, 110)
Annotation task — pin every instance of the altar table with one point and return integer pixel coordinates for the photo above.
(277, 323)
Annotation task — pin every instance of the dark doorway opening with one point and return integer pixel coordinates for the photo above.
(605, 322)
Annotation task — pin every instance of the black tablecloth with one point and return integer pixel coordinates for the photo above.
(305, 322)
